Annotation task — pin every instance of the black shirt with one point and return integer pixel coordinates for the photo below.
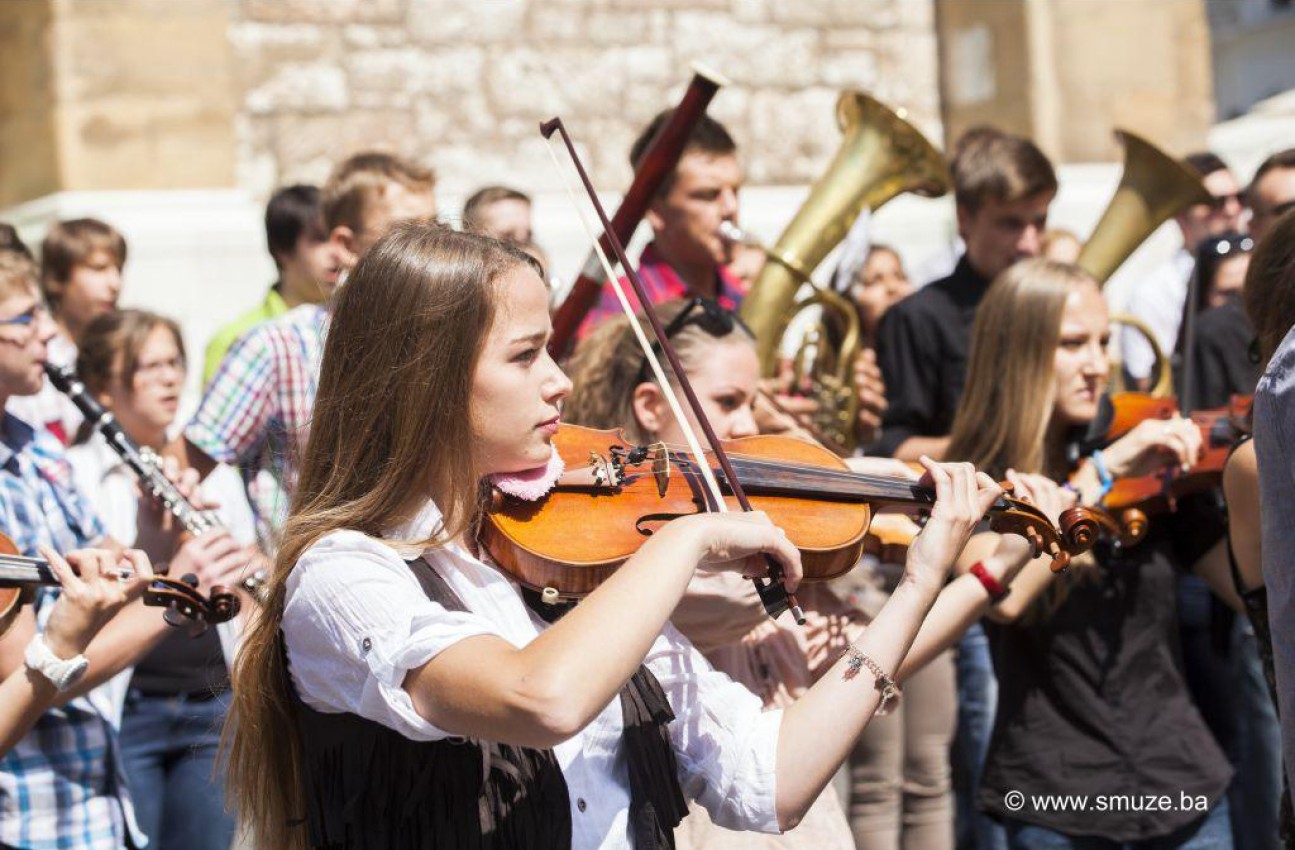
(181, 664)
(1223, 365)
(1092, 701)
(923, 346)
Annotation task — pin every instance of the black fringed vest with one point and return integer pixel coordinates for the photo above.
(369, 788)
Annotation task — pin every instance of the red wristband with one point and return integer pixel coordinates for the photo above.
(992, 586)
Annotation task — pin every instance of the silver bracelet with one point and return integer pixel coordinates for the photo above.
(890, 691)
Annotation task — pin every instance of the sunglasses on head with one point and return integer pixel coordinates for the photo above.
(705, 314)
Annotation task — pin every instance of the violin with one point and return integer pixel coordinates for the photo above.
(1220, 428)
(627, 492)
(184, 604)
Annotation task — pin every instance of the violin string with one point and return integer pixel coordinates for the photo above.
(667, 390)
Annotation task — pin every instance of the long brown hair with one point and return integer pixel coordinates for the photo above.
(1002, 421)
(1003, 418)
(391, 428)
(608, 365)
(1269, 294)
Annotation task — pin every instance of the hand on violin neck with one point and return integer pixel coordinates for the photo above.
(739, 541)
(962, 498)
(95, 585)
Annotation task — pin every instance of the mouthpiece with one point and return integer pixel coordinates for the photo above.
(730, 232)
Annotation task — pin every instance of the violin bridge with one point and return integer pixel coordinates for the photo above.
(661, 468)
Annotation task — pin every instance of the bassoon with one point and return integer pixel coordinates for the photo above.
(659, 161)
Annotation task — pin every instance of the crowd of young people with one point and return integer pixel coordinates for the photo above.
(393, 686)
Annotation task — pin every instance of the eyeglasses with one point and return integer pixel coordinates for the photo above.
(27, 318)
(153, 371)
(705, 314)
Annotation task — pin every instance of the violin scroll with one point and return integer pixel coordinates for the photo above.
(185, 604)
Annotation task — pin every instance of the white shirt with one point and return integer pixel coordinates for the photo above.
(1158, 300)
(356, 621)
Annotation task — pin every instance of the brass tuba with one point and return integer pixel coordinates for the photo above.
(1153, 188)
(881, 156)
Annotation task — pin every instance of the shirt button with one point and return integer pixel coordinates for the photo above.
(366, 644)
(580, 803)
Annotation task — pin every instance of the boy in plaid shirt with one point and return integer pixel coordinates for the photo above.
(256, 409)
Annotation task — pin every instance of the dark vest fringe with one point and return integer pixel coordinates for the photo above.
(369, 788)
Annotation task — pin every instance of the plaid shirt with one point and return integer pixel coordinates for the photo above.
(62, 786)
(662, 284)
(256, 410)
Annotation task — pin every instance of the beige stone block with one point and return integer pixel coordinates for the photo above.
(455, 22)
(324, 11)
(619, 26)
(553, 25)
(850, 38)
(538, 83)
(715, 5)
(146, 142)
(875, 14)
(794, 133)
(849, 69)
(752, 11)
(365, 36)
(752, 54)
(301, 87)
(314, 143)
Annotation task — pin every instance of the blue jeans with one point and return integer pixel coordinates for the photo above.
(977, 702)
(169, 746)
(1255, 793)
(1209, 832)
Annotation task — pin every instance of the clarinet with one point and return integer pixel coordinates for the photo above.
(145, 463)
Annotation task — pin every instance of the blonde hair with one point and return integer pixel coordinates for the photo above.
(391, 428)
(358, 179)
(608, 365)
(1002, 420)
(18, 275)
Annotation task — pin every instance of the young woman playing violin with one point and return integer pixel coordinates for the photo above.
(397, 691)
(1092, 700)
(720, 614)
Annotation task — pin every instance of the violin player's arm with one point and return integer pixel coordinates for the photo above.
(544, 693)
(24, 695)
(130, 635)
(1212, 567)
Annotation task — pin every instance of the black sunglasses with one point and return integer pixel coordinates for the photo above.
(705, 314)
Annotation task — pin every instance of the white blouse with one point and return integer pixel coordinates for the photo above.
(357, 620)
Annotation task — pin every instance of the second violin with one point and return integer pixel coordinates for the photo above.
(626, 492)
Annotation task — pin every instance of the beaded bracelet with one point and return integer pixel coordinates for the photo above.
(889, 690)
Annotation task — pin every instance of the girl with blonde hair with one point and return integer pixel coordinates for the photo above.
(397, 691)
(1092, 700)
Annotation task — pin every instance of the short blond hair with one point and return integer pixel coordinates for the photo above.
(358, 179)
(18, 275)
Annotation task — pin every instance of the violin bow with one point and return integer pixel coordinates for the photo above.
(773, 594)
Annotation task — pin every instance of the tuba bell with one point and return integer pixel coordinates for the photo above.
(1153, 188)
(881, 156)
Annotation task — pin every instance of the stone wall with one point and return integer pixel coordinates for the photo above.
(463, 85)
